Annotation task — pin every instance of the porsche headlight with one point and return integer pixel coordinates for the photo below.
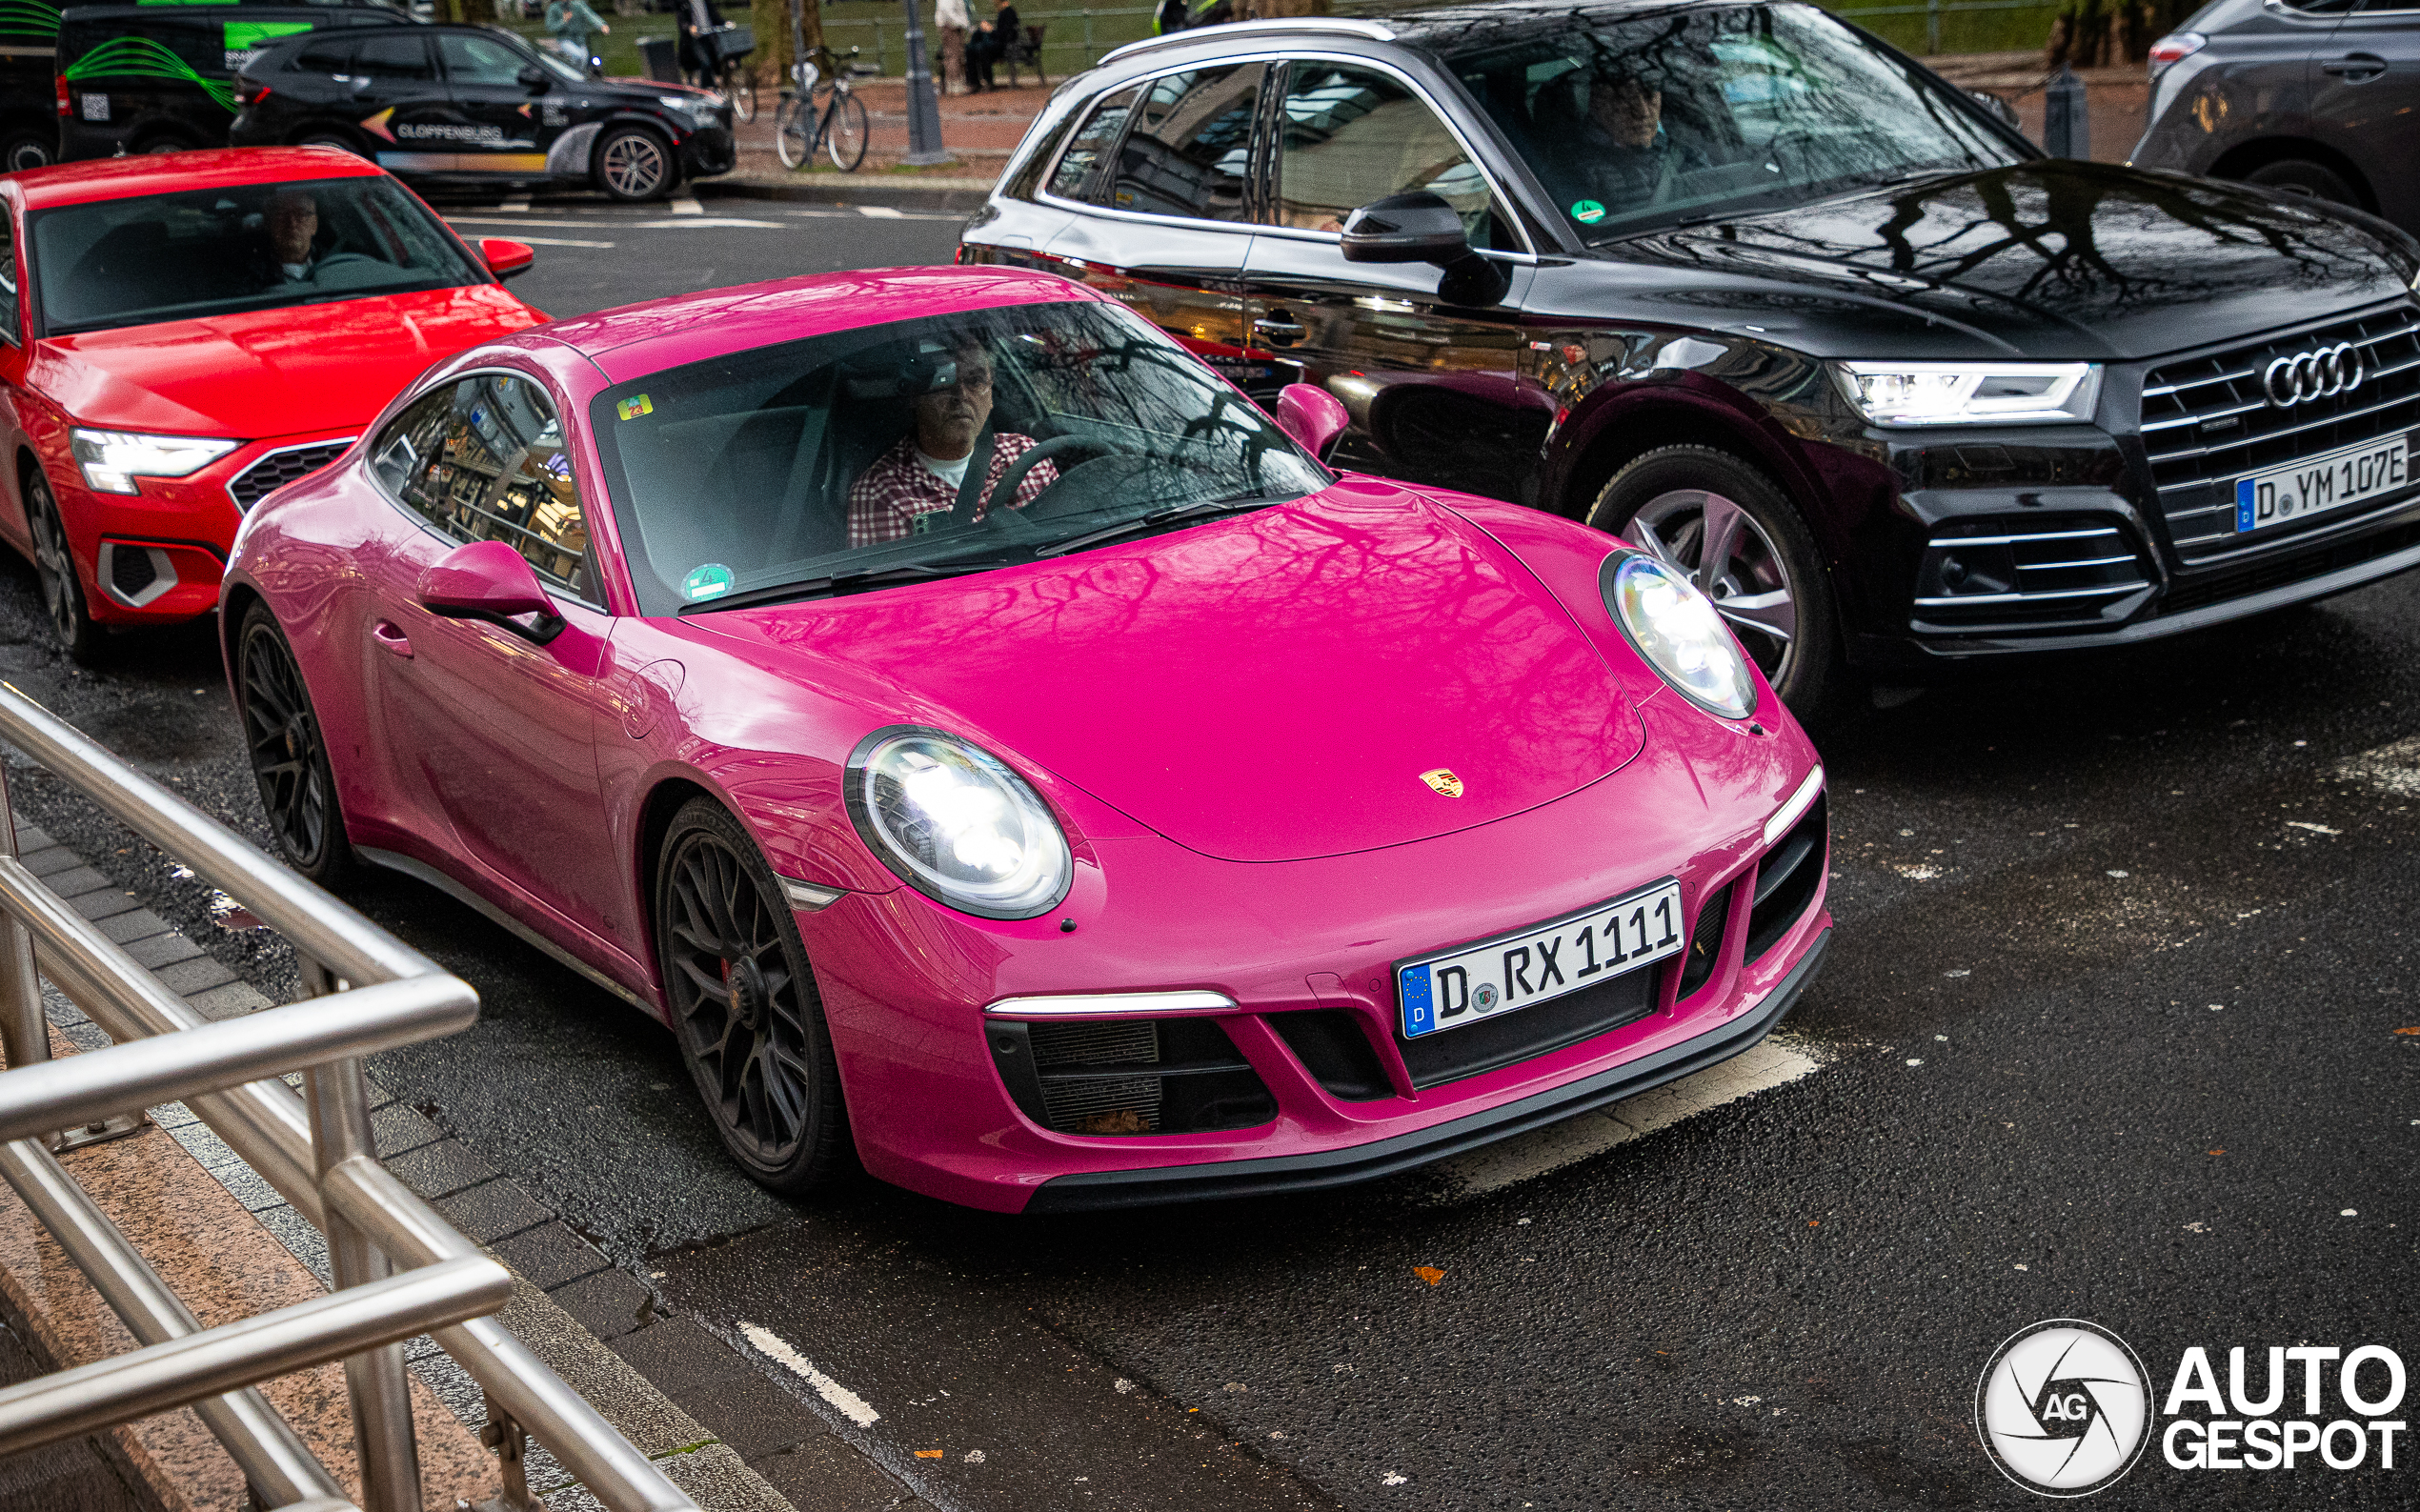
(956, 824)
(1970, 392)
(1676, 628)
(112, 460)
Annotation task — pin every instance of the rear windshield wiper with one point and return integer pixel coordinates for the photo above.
(841, 583)
(1202, 510)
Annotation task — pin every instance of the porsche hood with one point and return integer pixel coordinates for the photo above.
(1306, 680)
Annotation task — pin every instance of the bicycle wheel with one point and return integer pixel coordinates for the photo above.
(794, 130)
(844, 132)
(744, 98)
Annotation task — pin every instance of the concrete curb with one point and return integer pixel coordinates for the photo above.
(734, 1441)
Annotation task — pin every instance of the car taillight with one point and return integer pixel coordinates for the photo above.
(247, 92)
(63, 94)
(2176, 48)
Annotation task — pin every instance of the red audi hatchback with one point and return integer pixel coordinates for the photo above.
(183, 333)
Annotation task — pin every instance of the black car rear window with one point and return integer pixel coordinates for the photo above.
(135, 261)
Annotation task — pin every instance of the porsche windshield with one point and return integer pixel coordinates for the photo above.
(1690, 115)
(922, 449)
(154, 257)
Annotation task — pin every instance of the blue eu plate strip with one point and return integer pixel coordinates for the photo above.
(2243, 503)
(1418, 1019)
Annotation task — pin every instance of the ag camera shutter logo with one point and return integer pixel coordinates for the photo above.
(2064, 1408)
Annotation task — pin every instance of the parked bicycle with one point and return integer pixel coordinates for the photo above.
(731, 77)
(822, 110)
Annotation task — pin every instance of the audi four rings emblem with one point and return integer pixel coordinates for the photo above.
(2313, 375)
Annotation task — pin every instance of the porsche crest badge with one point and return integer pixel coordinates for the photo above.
(1443, 782)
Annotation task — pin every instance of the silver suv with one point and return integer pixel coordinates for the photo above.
(2314, 97)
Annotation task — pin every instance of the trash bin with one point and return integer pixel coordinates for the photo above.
(660, 57)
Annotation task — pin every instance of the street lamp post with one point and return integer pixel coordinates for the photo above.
(924, 112)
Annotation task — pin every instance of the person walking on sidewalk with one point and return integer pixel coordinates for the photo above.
(690, 20)
(991, 43)
(952, 22)
(1171, 18)
(570, 23)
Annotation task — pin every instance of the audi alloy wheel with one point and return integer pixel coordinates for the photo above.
(633, 164)
(54, 564)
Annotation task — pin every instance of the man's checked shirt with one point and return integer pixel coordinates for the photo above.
(883, 505)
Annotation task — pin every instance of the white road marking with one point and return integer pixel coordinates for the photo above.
(851, 214)
(1758, 1068)
(687, 205)
(560, 241)
(517, 203)
(880, 212)
(2394, 768)
(611, 223)
(850, 1405)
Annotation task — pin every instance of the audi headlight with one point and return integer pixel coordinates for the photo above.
(956, 824)
(1970, 392)
(112, 460)
(1677, 628)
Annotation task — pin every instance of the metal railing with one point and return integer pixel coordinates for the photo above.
(398, 1268)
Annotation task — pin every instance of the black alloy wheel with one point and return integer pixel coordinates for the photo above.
(62, 590)
(744, 1006)
(1742, 542)
(22, 149)
(635, 164)
(289, 753)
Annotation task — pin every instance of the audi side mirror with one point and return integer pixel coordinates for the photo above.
(2001, 110)
(535, 80)
(1414, 227)
(490, 581)
(1312, 415)
(506, 259)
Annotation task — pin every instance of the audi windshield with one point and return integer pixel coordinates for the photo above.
(1688, 115)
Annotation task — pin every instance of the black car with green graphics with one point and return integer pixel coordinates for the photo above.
(161, 77)
(28, 65)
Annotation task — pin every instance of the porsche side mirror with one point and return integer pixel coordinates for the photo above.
(1312, 415)
(490, 581)
(535, 80)
(1414, 227)
(506, 259)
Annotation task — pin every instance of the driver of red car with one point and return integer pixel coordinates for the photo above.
(291, 222)
(912, 487)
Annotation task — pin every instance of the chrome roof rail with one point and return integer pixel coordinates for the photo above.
(1310, 26)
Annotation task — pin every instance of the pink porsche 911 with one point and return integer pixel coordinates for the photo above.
(1004, 756)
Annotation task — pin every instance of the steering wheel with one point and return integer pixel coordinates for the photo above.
(1014, 473)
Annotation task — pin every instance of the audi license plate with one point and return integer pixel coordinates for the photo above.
(1461, 986)
(2355, 475)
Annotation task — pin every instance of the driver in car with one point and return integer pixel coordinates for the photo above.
(1622, 155)
(912, 488)
(290, 222)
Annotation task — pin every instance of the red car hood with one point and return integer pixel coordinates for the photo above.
(267, 372)
(1269, 688)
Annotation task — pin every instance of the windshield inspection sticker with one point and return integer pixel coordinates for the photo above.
(1587, 211)
(710, 581)
(632, 409)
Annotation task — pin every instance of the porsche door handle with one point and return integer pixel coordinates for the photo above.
(391, 638)
(1281, 328)
(2358, 68)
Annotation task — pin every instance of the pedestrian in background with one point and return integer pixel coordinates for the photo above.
(991, 43)
(570, 23)
(951, 20)
(1171, 18)
(692, 18)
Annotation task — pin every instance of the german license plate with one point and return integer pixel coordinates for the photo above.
(2350, 475)
(1469, 984)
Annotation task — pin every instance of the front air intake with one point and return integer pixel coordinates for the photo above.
(1128, 1075)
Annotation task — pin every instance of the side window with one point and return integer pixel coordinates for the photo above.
(8, 278)
(483, 459)
(479, 60)
(1349, 135)
(1190, 149)
(394, 57)
(1092, 143)
(328, 55)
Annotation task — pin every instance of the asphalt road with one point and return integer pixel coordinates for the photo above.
(2109, 1030)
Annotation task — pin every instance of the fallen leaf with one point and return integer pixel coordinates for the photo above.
(928, 1454)
(1429, 1274)
(2413, 1031)
(1814, 1222)
(2218, 1152)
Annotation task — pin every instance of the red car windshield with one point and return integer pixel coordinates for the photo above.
(133, 262)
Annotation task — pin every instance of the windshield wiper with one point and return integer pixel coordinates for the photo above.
(1200, 510)
(842, 582)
